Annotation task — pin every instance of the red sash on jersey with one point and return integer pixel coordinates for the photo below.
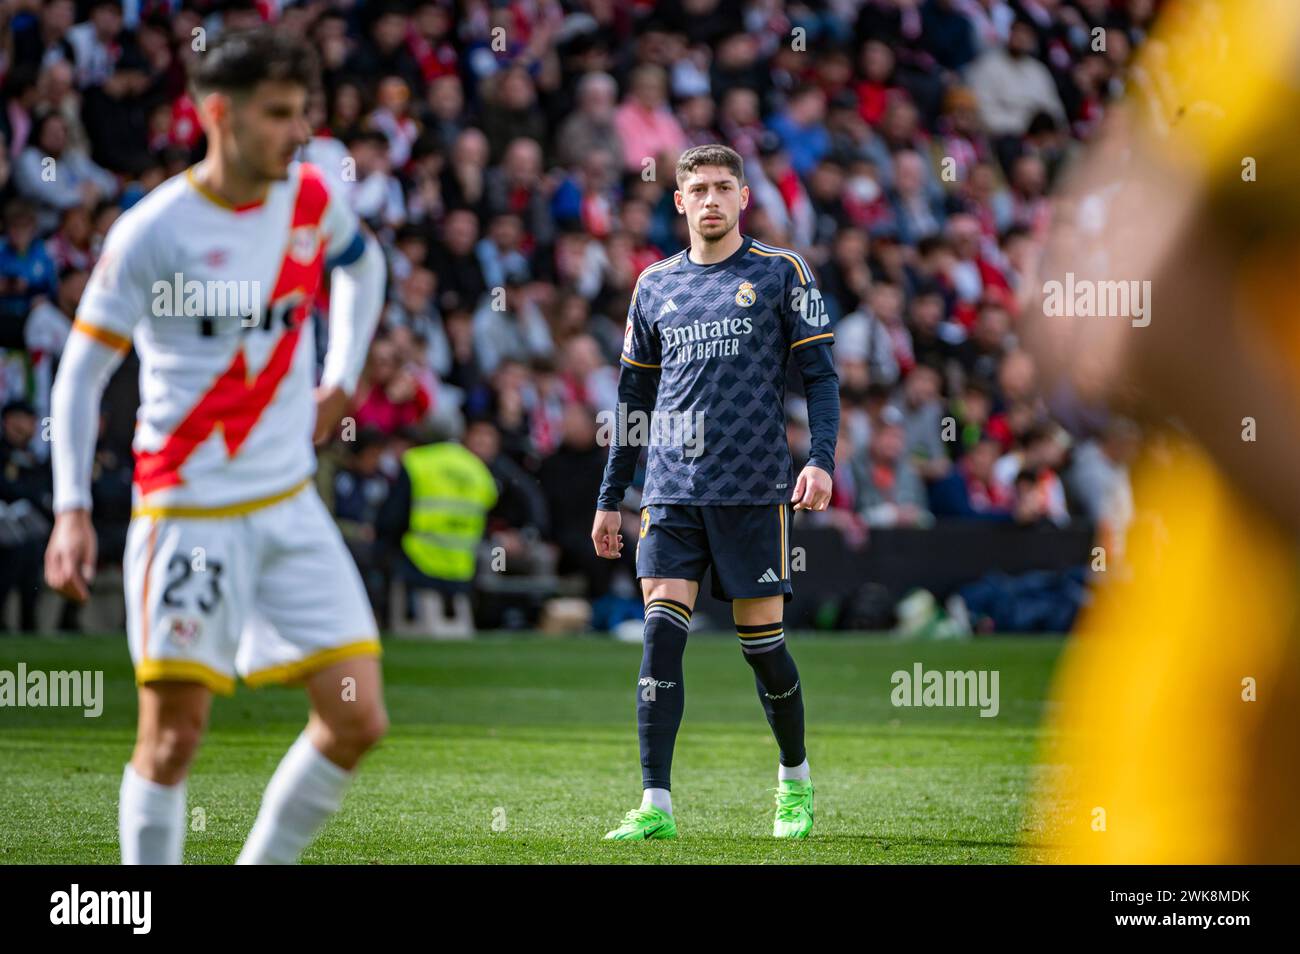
(235, 403)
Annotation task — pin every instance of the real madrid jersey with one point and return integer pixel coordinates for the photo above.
(216, 299)
(719, 336)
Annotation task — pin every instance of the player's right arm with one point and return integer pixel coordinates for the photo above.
(115, 299)
(638, 388)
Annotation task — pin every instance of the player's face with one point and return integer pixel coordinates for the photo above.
(268, 127)
(711, 198)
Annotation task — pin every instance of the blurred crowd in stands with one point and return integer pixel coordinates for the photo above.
(516, 161)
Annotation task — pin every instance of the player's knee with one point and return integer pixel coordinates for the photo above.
(677, 591)
(164, 754)
(667, 623)
(374, 728)
(358, 730)
(368, 729)
(765, 650)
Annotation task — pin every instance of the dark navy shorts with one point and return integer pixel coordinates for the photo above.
(747, 546)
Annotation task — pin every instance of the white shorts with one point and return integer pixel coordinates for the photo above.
(271, 594)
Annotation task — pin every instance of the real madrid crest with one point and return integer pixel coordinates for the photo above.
(745, 294)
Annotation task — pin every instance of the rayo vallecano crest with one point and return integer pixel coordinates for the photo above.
(303, 242)
(185, 632)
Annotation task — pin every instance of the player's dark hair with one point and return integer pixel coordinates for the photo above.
(713, 154)
(237, 62)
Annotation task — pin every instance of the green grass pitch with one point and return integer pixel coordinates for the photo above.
(508, 750)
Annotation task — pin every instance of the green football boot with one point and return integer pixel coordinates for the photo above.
(794, 808)
(642, 824)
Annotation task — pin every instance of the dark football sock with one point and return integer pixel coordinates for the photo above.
(660, 696)
(777, 681)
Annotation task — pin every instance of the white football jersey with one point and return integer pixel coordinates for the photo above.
(216, 300)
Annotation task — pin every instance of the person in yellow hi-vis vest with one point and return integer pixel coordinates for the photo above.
(451, 494)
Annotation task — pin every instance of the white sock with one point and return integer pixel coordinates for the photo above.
(304, 792)
(657, 798)
(150, 820)
(787, 772)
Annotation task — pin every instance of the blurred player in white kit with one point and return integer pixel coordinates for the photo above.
(233, 565)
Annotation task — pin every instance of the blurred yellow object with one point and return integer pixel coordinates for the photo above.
(1175, 731)
(1176, 734)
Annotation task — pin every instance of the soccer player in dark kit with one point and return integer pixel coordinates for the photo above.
(709, 333)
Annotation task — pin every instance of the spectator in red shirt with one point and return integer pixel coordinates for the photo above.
(390, 396)
(986, 495)
(873, 92)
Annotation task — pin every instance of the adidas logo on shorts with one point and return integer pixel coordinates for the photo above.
(769, 577)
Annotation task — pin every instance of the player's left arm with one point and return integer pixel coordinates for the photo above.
(358, 278)
(809, 332)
